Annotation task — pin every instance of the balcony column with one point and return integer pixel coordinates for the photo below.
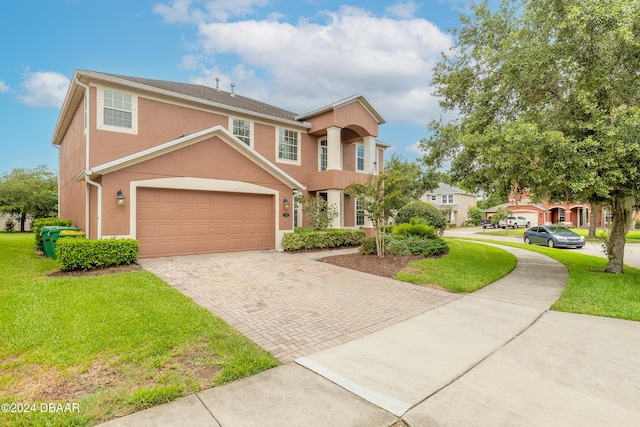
(334, 198)
(370, 155)
(334, 149)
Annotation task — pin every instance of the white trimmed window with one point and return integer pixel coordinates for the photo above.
(447, 199)
(360, 158)
(434, 198)
(288, 146)
(242, 130)
(561, 215)
(117, 111)
(359, 212)
(322, 155)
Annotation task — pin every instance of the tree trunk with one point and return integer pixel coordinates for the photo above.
(592, 224)
(23, 220)
(620, 223)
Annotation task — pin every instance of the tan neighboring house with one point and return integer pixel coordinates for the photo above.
(188, 169)
(452, 201)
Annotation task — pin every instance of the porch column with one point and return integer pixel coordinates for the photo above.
(370, 155)
(334, 198)
(334, 149)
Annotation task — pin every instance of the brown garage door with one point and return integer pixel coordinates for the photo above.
(183, 222)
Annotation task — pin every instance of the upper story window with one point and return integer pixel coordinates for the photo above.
(323, 155)
(360, 158)
(434, 198)
(447, 199)
(117, 111)
(242, 130)
(288, 146)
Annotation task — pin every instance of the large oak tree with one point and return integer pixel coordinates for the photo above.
(546, 98)
(29, 192)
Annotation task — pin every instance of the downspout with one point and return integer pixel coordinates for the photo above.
(88, 172)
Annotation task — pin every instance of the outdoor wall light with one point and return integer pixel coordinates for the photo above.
(120, 199)
(285, 202)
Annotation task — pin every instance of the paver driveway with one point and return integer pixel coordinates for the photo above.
(289, 304)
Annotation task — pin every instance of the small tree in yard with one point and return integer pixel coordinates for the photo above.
(319, 212)
(475, 215)
(379, 195)
(500, 215)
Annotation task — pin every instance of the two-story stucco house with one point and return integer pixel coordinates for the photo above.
(189, 169)
(452, 201)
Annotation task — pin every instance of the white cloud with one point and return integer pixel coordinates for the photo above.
(4, 87)
(300, 66)
(403, 9)
(200, 11)
(414, 149)
(44, 89)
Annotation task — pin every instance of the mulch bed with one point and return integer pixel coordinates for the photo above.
(98, 271)
(388, 266)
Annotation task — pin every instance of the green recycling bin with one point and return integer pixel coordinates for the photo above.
(45, 233)
(58, 232)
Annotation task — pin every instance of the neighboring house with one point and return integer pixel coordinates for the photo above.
(452, 201)
(189, 169)
(576, 214)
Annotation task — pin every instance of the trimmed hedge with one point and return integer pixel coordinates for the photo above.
(85, 254)
(332, 238)
(45, 222)
(406, 245)
(427, 211)
(420, 230)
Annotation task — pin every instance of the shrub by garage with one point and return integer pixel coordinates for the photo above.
(85, 254)
(304, 239)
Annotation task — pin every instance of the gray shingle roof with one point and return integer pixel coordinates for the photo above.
(448, 189)
(210, 94)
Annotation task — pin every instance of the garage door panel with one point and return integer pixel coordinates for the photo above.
(176, 222)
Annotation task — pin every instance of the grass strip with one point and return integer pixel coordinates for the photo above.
(467, 267)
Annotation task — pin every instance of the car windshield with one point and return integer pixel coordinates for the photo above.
(558, 230)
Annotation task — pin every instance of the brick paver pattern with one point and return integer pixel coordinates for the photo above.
(290, 304)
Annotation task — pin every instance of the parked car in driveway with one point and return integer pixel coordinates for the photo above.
(515, 222)
(553, 236)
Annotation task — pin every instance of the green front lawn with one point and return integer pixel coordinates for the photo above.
(466, 268)
(589, 290)
(113, 344)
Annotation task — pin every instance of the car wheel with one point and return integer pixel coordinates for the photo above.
(578, 247)
(550, 243)
(527, 241)
(515, 226)
(528, 225)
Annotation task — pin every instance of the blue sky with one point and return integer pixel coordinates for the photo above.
(299, 55)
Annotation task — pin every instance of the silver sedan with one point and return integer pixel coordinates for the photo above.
(553, 236)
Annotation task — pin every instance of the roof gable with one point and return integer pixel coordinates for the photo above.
(185, 141)
(354, 98)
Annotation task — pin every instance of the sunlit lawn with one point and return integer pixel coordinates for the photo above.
(589, 290)
(466, 268)
(114, 344)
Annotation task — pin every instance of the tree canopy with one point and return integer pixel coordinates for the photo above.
(29, 192)
(546, 95)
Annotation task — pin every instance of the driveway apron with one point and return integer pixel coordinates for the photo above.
(290, 304)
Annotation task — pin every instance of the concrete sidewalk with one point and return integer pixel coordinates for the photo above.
(493, 358)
